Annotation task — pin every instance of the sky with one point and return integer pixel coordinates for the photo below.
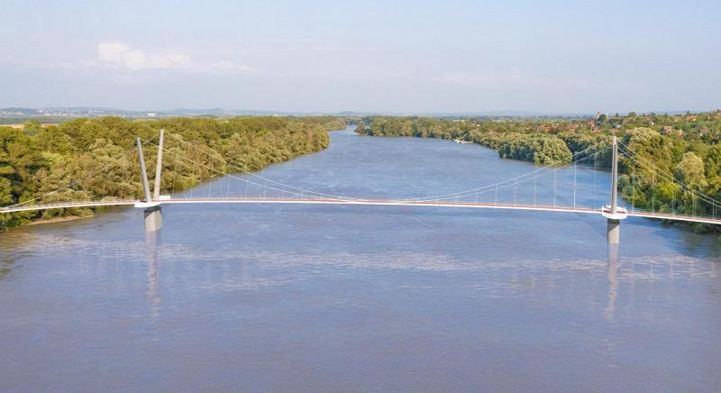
(379, 56)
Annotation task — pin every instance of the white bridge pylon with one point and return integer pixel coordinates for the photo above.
(613, 213)
(503, 195)
(151, 204)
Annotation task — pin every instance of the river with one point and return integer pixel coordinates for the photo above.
(360, 298)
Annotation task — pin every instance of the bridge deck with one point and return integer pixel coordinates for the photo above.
(360, 202)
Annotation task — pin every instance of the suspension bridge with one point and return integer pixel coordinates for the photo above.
(521, 193)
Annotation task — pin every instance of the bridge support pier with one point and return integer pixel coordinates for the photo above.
(614, 232)
(153, 218)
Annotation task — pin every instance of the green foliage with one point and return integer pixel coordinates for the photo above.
(667, 149)
(528, 141)
(690, 171)
(545, 150)
(92, 159)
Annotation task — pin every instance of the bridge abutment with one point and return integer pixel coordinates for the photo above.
(153, 218)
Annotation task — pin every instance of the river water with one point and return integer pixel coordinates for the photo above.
(359, 298)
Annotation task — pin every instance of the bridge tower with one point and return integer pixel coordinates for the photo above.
(153, 211)
(613, 213)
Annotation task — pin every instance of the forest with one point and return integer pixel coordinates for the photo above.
(668, 150)
(91, 159)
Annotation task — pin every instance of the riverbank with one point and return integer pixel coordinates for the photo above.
(91, 159)
(668, 163)
(56, 220)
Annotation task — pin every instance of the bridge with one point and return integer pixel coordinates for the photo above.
(270, 192)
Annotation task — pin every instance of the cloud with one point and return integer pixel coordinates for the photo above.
(119, 55)
(223, 66)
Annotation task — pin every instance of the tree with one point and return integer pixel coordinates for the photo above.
(690, 171)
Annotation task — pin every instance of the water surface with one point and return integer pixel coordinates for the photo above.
(358, 298)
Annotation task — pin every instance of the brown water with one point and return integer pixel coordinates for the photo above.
(361, 299)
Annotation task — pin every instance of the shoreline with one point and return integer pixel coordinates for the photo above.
(56, 220)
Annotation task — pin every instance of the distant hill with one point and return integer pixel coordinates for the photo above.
(59, 114)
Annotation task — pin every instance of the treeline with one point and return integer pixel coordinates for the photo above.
(674, 172)
(675, 157)
(91, 159)
(521, 140)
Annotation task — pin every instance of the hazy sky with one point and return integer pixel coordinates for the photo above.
(402, 56)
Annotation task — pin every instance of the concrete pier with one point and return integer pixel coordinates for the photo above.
(153, 218)
(614, 232)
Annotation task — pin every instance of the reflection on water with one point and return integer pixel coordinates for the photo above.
(326, 299)
(612, 279)
(152, 245)
(5, 266)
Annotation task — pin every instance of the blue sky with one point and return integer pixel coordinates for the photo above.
(399, 56)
